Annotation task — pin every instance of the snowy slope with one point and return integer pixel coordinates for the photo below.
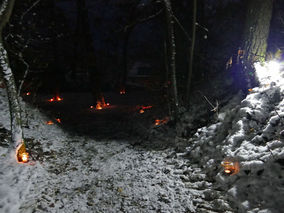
(252, 134)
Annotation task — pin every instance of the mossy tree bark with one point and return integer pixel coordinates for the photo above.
(15, 110)
(256, 30)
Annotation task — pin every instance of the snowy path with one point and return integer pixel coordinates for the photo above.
(80, 174)
(77, 174)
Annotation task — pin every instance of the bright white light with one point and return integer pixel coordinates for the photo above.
(273, 66)
(268, 72)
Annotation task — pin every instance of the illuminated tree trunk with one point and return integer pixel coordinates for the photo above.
(172, 56)
(254, 44)
(256, 30)
(15, 110)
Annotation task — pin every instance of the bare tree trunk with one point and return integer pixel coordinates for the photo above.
(14, 105)
(167, 77)
(256, 30)
(84, 51)
(191, 54)
(127, 33)
(172, 53)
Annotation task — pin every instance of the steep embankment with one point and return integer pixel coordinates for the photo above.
(252, 134)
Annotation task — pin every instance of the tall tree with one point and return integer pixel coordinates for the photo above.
(85, 53)
(256, 30)
(6, 8)
(191, 53)
(172, 55)
(253, 44)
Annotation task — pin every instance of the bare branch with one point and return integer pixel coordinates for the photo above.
(182, 28)
(151, 16)
(30, 8)
(214, 108)
(25, 75)
(142, 20)
(204, 28)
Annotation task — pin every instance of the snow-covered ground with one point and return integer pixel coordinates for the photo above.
(79, 174)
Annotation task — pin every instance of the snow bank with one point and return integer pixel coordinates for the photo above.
(251, 134)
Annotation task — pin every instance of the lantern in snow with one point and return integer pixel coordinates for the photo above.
(99, 105)
(58, 98)
(163, 121)
(231, 166)
(21, 154)
(122, 91)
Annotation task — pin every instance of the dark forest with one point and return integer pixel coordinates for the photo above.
(141, 106)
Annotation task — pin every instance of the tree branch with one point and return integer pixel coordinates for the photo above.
(142, 20)
(29, 9)
(182, 28)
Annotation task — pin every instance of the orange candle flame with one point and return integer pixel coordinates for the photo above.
(49, 122)
(160, 122)
(58, 120)
(25, 157)
(99, 105)
(122, 91)
(143, 108)
(21, 154)
(231, 166)
(58, 98)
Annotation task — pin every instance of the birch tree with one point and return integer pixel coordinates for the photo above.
(6, 8)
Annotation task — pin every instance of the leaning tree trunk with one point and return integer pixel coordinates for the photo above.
(256, 30)
(14, 105)
(172, 54)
